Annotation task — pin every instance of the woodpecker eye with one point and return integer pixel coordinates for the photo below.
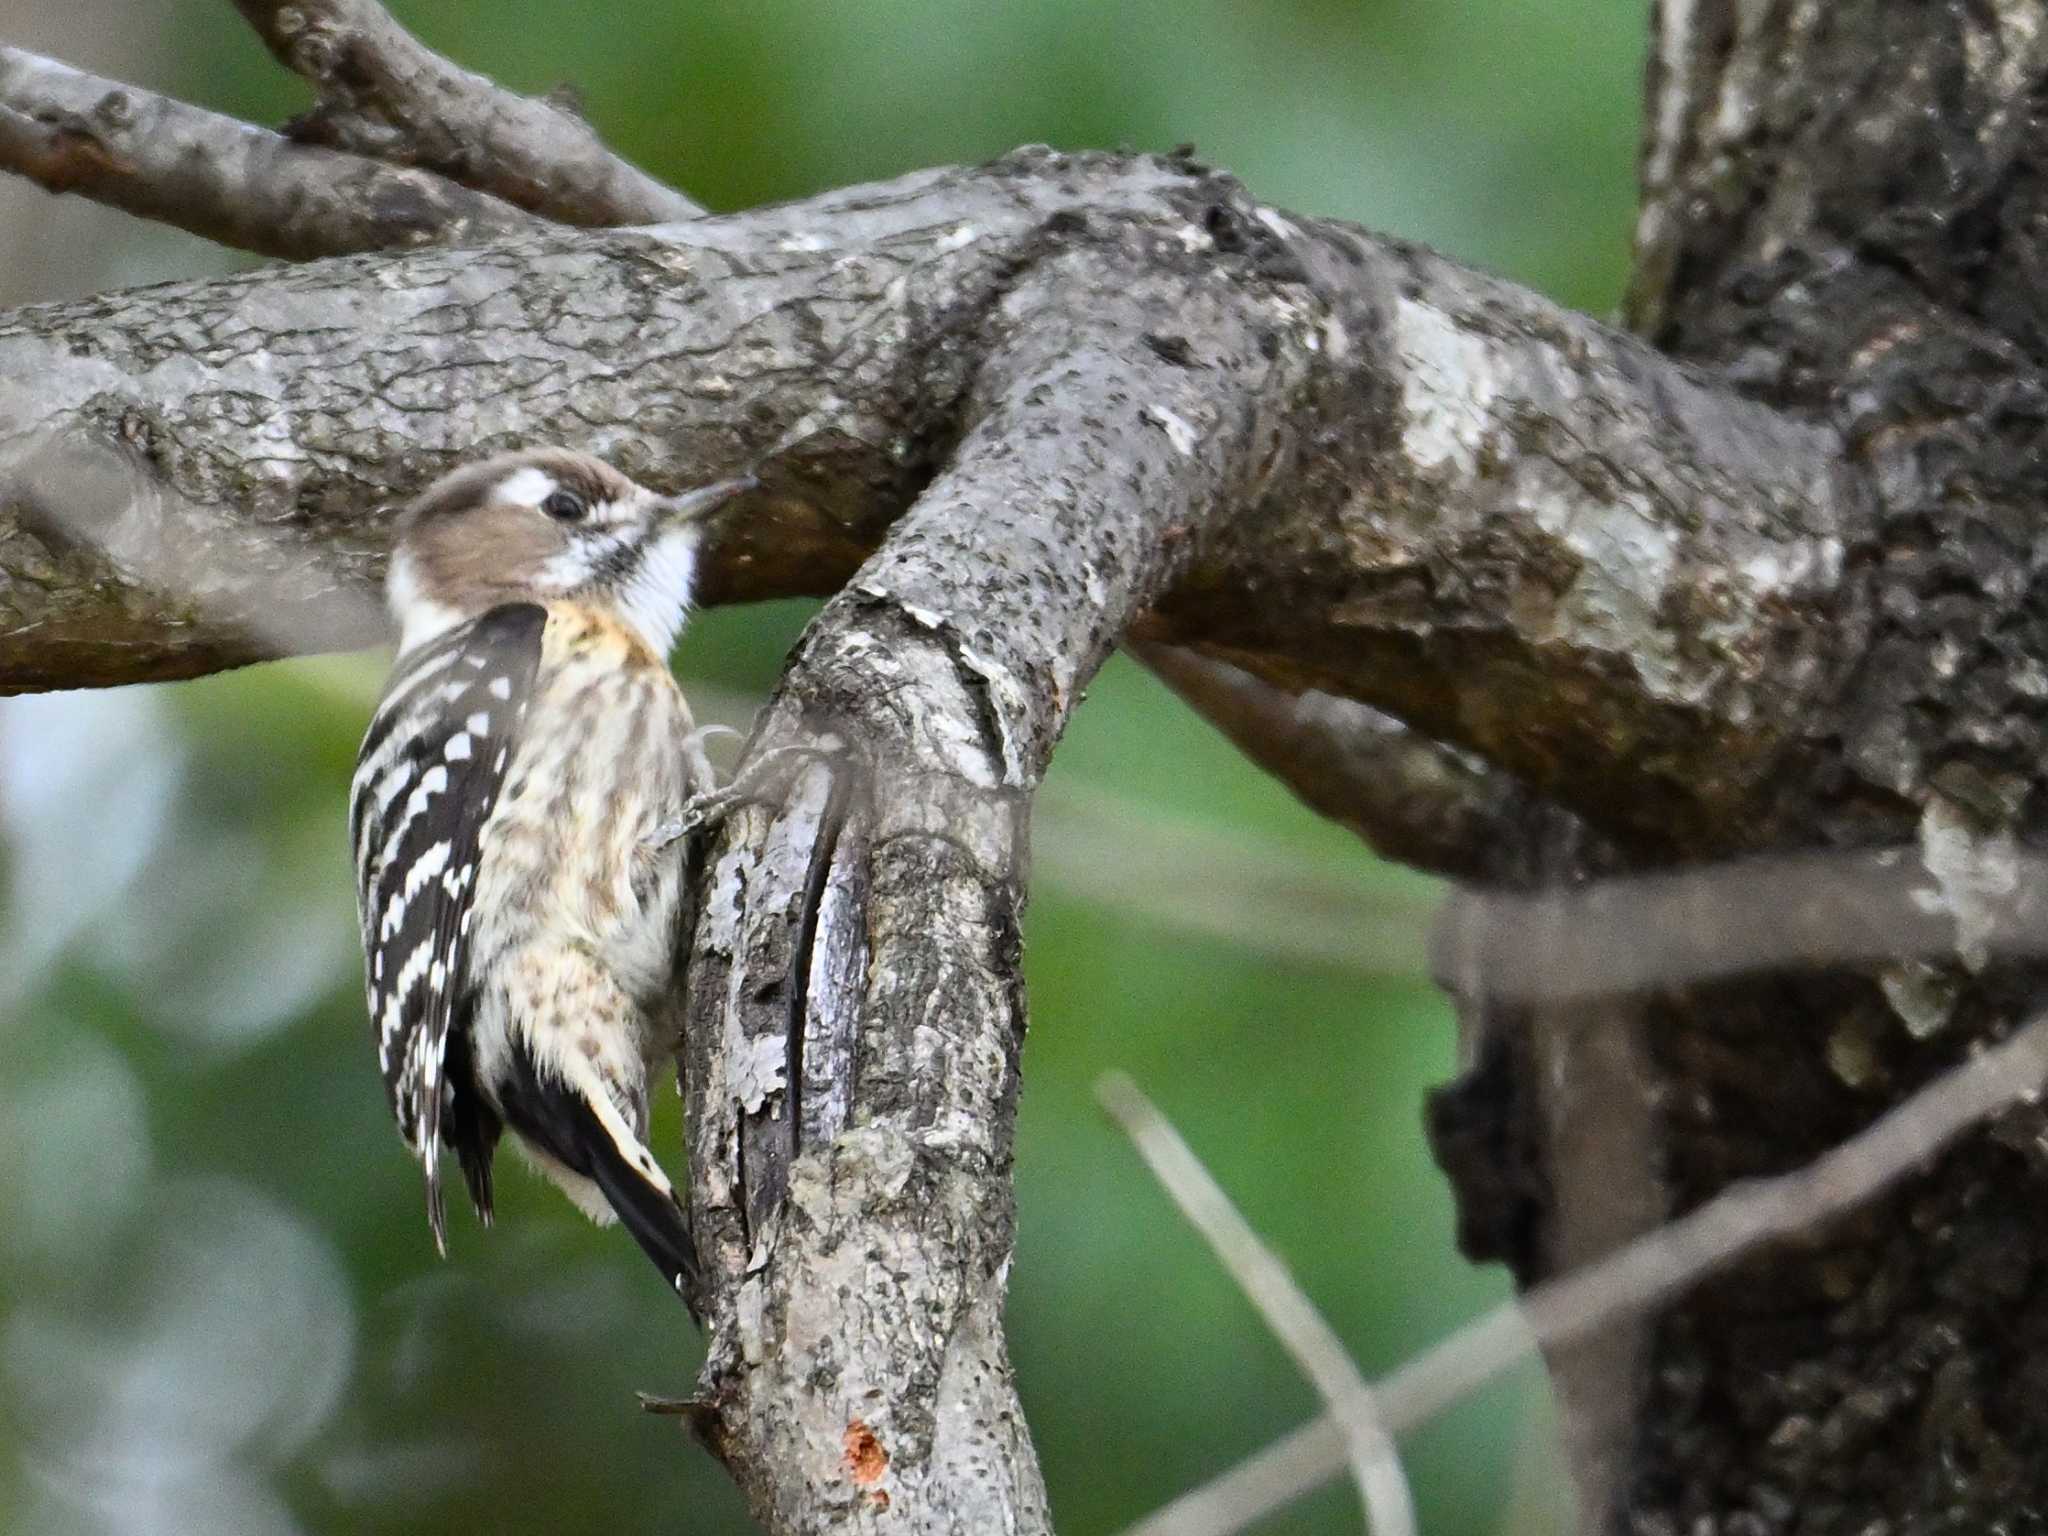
(565, 507)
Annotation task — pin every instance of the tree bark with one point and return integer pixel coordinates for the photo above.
(1762, 579)
(853, 1060)
(1524, 533)
(386, 96)
(72, 132)
(1839, 218)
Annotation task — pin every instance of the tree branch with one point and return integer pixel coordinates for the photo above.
(386, 96)
(861, 933)
(1536, 539)
(1408, 798)
(1521, 531)
(1634, 1279)
(68, 131)
(1262, 1275)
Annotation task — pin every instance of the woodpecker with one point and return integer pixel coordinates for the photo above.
(517, 818)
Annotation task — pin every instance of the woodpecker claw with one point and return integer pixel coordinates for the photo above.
(764, 776)
(667, 835)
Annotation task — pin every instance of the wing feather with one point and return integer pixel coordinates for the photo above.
(428, 776)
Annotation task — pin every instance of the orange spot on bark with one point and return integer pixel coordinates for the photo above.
(865, 1458)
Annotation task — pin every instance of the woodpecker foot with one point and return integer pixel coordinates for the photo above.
(666, 836)
(764, 777)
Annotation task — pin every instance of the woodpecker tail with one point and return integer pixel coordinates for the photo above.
(470, 1125)
(586, 1134)
(649, 1211)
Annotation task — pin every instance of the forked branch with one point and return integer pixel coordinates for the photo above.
(386, 95)
(855, 1016)
(1646, 602)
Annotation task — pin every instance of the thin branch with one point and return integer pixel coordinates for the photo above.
(161, 159)
(1187, 876)
(1287, 1310)
(1410, 799)
(1634, 1278)
(1954, 897)
(386, 95)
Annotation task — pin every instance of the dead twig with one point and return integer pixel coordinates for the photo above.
(1259, 1273)
(247, 187)
(386, 95)
(1633, 1279)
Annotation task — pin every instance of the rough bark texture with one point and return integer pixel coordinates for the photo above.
(1525, 533)
(72, 132)
(385, 95)
(1841, 218)
(1763, 579)
(854, 1062)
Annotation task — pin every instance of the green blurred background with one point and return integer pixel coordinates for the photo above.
(219, 1309)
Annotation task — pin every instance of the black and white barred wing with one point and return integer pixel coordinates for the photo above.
(426, 780)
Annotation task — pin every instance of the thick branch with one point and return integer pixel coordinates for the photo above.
(837, 1157)
(1535, 538)
(247, 187)
(1521, 531)
(385, 95)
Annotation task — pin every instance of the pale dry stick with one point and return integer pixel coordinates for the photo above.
(1632, 1279)
(385, 94)
(1614, 936)
(276, 590)
(246, 187)
(1260, 1274)
(1184, 874)
(1102, 846)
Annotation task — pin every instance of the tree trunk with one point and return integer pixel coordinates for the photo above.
(1842, 217)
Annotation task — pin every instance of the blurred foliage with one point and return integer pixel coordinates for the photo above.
(219, 1310)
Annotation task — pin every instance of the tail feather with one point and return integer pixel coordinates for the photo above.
(588, 1136)
(650, 1212)
(472, 1125)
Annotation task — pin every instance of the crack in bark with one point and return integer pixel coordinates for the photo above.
(816, 877)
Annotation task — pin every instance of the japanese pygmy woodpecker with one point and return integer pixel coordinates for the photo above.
(517, 821)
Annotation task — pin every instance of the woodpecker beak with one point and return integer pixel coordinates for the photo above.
(693, 506)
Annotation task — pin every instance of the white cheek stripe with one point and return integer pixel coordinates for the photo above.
(528, 487)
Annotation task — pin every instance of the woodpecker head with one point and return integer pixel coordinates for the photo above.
(548, 523)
